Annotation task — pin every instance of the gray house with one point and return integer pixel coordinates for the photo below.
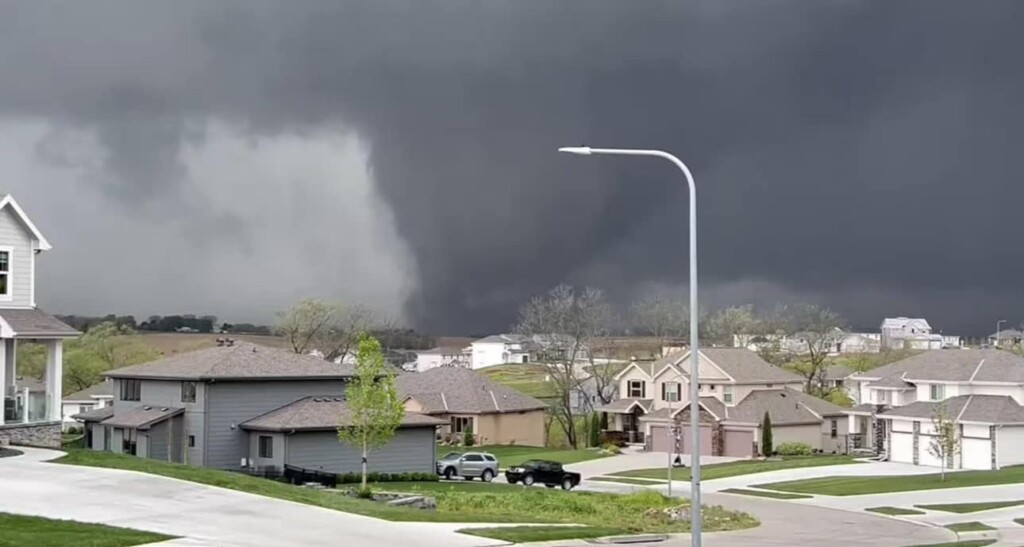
(240, 405)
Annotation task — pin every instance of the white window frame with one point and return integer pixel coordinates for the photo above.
(727, 394)
(459, 424)
(667, 389)
(637, 383)
(937, 392)
(9, 296)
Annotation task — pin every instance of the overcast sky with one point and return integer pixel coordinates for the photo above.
(232, 157)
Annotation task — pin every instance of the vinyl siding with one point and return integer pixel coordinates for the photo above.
(809, 434)
(411, 450)
(157, 444)
(277, 452)
(167, 393)
(231, 403)
(526, 428)
(14, 234)
(97, 436)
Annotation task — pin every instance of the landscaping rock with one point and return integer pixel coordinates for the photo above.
(675, 514)
(416, 502)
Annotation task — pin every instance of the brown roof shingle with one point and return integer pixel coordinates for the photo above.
(462, 390)
(321, 414)
(785, 406)
(94, 415)
(955, 365)
(102, 389)
(140, 417)
(242, 361)
(989, 409)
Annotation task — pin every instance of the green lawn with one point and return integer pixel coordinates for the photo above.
(499, 485)
(853, 486)
(624, 480)
(526, 534)
(742, 467)
(456, 502)
(972, 526)
(971, 507)
(21, 531)
(760, 494)
(1019, 521)
(895, 511)
(509, 456)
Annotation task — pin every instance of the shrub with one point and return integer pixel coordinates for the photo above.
(595, 430)
(373, 477)
(766, 435)
(794, 449)
(467, 437)
(611, 448)
(356, 478)
(364, 493)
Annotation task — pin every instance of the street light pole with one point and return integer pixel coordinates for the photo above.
(1000, 322)
(695, 509)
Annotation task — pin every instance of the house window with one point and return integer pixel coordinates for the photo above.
(5, 272)
(636, 389)
(835, 429)
(191, 441)
(84, 408)
(711, 387)
(188, 392)
(938, 392)
(670, 391)
(727, 395)
(266, 446)
(462, 424)
(131, 390)
(128, 441)
(526, 358)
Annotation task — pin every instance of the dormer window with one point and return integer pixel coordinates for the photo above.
(636, 389)
(5, 272)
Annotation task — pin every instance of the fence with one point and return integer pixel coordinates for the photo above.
(298, 475)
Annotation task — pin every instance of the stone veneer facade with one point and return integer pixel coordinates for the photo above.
(44, 435)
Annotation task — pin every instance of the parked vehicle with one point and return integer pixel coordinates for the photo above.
(468, 466)
(550, 474)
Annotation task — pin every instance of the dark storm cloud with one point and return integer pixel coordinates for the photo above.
(846, 152)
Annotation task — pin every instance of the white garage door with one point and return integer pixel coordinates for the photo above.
(902, 447)
(977, 453)
(925, 455)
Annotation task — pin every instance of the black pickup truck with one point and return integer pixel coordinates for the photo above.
(549, 474)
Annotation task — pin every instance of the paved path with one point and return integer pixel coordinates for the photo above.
(205, 515)
(634, 460)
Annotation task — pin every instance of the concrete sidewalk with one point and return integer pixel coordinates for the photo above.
(203, 515)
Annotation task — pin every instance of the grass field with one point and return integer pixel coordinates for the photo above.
(737, 468)
(854, 486)
(624, 480)
(456, 502)
(971, 507)
(894, 511)
(21, 531)
(509, 456)
(969, 543)
(170, 343)
(761, 494)
(969, 527)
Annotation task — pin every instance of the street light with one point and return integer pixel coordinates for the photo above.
(695, 509)
(1000, 322)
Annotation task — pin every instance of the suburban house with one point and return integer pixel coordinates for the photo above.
(244, 406)
(737, 388)
(589, 394)
(839, 377)
(31, 411)
(981, 390)
(95, 396)
(1006, 338)
(909, 333)
(499, 349)
(840, 342)
(468, 401)
(443, 357)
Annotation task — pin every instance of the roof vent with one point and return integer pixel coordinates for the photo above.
(164, 409)
(782, 394)
(147, 408)
(317, 400)
(339, 399)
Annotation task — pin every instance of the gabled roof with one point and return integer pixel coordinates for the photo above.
(903, 322)
(242, 361)
(954, 365)
(102, 389)
(450, 350)
(747, 367)
(8, 201)
(987, 409)
(785, 406)
(892, 382)
(139, 417)
(625, 405)
(324, 413)
(94, 415)
(504, 339)
(458, 390)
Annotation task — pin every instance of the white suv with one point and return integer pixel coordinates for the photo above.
(469, 466)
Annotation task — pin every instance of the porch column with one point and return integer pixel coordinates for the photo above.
(4, 380)
(10, 363)
(54, 379)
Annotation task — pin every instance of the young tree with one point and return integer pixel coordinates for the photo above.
(566, 324)
(374, 408)
(945, 443)
(766, 435)
(595, 429)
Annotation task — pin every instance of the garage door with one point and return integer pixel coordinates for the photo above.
(902, 447)
(924, 456)
(738, 443)
(659, 438)
(977, 453)
(706, 449)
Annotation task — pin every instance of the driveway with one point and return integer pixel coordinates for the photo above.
(206, 515)
(635, 460)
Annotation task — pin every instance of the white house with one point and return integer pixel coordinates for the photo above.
(909, 333)
(91, 398)
(982, 390)
(21, 421)
(840, 342)
(499, 349)
(443, 357)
